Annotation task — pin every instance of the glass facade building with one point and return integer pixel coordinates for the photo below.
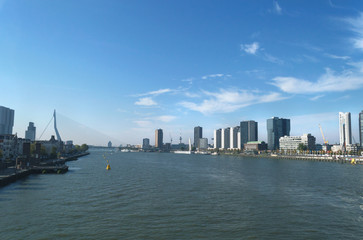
(276, 128)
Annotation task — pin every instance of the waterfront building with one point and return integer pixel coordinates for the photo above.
(145, 143)
(109, 144)
(8, 144)
(159, 138)
(203, 143)
(30, 133)
(276, 128)
(198, 134)
(345, 131)
(218, 138)
(361, 128)
(336, 148)
(292, 142)
(255, 146)
(249, 132)
(233, 132)
(6, 120)
(225, 138)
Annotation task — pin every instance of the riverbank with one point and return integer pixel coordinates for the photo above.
(12, 174)
(319, 158)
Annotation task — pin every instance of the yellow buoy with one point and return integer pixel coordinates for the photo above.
(108, 167)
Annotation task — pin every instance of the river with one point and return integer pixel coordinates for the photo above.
(172, 196)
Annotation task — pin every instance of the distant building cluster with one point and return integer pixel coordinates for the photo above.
(244, 137)
(13, 147)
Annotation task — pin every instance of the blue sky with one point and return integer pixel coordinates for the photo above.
(120, 69)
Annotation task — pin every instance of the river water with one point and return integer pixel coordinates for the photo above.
(172, 196)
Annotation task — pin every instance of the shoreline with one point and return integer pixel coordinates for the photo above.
(57, 166)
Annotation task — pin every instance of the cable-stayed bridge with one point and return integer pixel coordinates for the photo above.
(79, 133)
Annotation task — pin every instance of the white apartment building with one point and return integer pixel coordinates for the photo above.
(345, 131)
(233, 131)
(292, 142)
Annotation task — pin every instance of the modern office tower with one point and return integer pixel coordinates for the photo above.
(361, 128)
(6, 120)
(198, 133)
(145, 143)
(225, 138)
(345, 131)
(292, 142)
(30, 133)
(159, 138)
(233, 131)
(249, 132)
(218, 138)
(276, 128)
(203, 143)
(109, 144)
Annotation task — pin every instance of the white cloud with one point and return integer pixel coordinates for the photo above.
(316, 97)
(226, 101)
(337, 57)
(215, 75)
(328, 82)
(250, 48)
(147, 101)
(165, 118)
(277, 9)
(356, 25)
(155, 93)
(143, 123)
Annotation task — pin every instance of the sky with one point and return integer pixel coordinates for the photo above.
(118, 70)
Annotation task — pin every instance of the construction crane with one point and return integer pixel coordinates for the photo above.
(325, 141)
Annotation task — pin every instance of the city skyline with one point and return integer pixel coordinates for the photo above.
(122, 69)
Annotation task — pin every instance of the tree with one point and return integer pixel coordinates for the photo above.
(84, 147)
(302, 147)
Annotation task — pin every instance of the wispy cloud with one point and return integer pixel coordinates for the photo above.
(328, 82)
(143, 123)
(226, 101)
(218, 75)
(316, 97)
(154, 93)
(337, 57)
(356, 26)
(269, 58)
(250, 48)
(277, 9)
(165, 118)
(146, 101)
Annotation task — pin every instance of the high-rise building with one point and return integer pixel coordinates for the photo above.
(225, 138)
(198, 134)
(159, 138)
(109, 144)
(6, 120)
(345, 130)
(361, 128)
(30, 133)
(233, 132)
(276, 128)
(203, 143)
(249, 132)
(145, 143)
(218, 138)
